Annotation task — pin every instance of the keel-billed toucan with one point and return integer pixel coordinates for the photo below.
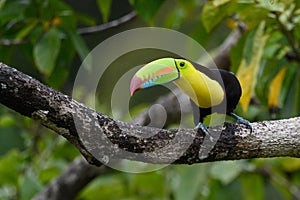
(212, 90)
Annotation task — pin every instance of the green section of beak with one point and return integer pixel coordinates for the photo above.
(154, 73)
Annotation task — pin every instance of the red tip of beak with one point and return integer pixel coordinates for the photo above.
(135, 84)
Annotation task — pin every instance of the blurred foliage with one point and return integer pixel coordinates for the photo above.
(248, 68)
(40, 38)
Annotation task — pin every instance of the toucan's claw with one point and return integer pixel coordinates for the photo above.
(204, 130)
(242, 121)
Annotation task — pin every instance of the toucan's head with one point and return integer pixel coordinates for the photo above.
(158, 72)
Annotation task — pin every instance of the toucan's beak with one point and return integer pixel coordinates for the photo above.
(157, 72)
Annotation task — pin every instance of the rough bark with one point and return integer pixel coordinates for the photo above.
(109, 139)
(51, 108)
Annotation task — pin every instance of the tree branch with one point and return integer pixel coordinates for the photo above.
(108, 25)
(109, 139)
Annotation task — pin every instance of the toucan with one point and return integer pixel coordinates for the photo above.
(210, 90)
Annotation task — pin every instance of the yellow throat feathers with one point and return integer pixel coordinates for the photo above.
(205, 92)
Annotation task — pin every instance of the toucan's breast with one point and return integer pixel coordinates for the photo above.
(204, 91)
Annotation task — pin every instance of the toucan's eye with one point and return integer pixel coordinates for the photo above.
(181, 64)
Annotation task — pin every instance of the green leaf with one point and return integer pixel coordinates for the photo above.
(36, 34)
(248, 69)
(252, 186)
(218, 191)
(273, 5)
(190, 179)
(104, 7)
(52, 169)
(236, 55)
(286, 16)
(290, 164)
(190, 5)
(9, 167)
(61, 69)
(79, 44)
(25, 31)
(60, 6)
(45, 52)
(226, 171)
(289, 93)
(250, 14)
(108, 187)
(147, 9)
(296, 110)
(274, 44)
(175, 19)
(148, 184)
(64, 13)
(29, 186)
(86, 20)
(220, 2)
(7, 121)
(8, 137)
(267, 71)
(12, 10)
(213, 14)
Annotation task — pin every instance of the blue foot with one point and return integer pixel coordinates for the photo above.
(204, 130)
(241, 121)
